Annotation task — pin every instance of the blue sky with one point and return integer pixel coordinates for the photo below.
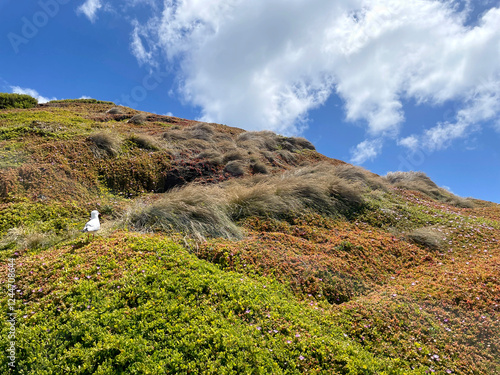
(385, 84)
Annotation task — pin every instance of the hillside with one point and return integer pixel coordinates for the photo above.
(223, 251)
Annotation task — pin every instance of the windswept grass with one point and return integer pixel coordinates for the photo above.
(198, 211)
(105, 144)
(419, 181)
(201, 211)
(428, 237)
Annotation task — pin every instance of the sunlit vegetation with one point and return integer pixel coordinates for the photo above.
(230, 252)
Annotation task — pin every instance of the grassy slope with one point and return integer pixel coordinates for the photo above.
(304, 293)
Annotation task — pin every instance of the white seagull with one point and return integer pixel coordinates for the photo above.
(93, 224)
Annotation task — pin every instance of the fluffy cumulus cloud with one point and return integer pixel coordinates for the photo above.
(366, 150)
(90, 8)
(264, 64)
(31, 92)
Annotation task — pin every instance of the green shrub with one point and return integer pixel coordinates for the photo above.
(17, 101)
(85, 101)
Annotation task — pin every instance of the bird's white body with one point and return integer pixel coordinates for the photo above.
(93, 224)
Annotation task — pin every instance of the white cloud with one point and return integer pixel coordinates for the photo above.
(41, 99)
(264, 64)
(366, 150)
(410, 142)
(90, 8)
(138, 50)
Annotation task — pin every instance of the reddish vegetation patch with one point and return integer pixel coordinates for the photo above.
(318, 256)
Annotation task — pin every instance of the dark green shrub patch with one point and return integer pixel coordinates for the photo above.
(16, 101)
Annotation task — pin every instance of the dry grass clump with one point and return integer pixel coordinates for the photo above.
(235, 154)
(301, 143)
(195, 144)
(259, 167)
(175, 135)
(138, 119)
(105, 144)
(115, 111)
(262, 140)
(213, 157)
(462, 202)
(145, 141)
(25, 238)
(353, 173)
(235, 167)
(286, 156)
(427, 236)
(419, 181)
(198, 211)
(200, 131)
(305, 189)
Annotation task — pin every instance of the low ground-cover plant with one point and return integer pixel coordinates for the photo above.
(334, 236)
(133, 304)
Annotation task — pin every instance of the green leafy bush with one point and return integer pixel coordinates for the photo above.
(86, 101)
(17, 101)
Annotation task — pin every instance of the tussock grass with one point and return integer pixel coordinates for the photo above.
(105, 144)
(26, 238)
(138, 119)
(235, 167)
(213, 157)
(236, 154)
(145, 142)
(201, 131)
(262, 140)
(419, 181)
(301, 143)
(357, 174)
(314, 189)
(286, 156)
(115, 111)
(259, 167)
(427, 236)
(200, 211)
